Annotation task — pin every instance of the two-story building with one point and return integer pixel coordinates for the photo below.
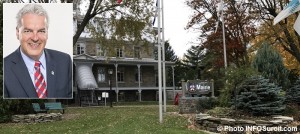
(133, 71)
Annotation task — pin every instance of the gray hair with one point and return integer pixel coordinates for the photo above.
(34, 9)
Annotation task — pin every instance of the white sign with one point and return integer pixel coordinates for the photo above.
(104, 94)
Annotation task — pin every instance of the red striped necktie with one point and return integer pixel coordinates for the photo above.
(39, 81)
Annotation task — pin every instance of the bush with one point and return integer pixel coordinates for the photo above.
(219, 111)
(205, 103)
(13, 107)
(293, 93)
(234, 78)
(260, 97)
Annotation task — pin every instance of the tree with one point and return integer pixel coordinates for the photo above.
(171, 56)
(282, 34)
(239, 29)
(293, 93)
(122, 20)
(192, 61)
(233, 79)
(269, 62)
(260, 97)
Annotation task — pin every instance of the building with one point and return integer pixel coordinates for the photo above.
(133, 71)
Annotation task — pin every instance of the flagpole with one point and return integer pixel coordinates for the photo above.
(163, 56)
(159, 63)
(223, 29)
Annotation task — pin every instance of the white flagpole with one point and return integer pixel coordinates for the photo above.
(223, 28)
(164, 57)
(159, 63)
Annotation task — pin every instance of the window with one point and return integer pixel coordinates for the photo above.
(80, 48)
(137, 52)
(120, 75)
(120, 52)
(101, 74)
(137, 75)
(100, 51)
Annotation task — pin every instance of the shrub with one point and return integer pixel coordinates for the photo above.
(293, 93)
(260, 97)
(234, 78)
(205, 103)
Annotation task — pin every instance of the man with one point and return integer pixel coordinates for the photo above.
(32, 71)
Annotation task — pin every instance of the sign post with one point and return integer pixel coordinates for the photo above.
(105, 95)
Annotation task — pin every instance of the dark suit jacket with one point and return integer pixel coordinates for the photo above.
(18, 84)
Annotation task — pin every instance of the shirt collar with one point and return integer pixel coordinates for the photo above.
(30, 62)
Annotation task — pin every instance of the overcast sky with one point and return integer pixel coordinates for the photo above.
(176, 16)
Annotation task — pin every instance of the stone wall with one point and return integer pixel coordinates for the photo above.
(223, 125)
(36, 118)
(188, 105)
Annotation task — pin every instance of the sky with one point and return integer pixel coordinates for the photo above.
(176, 16)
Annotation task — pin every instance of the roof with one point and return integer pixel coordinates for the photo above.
(85, 77)
(115, 60)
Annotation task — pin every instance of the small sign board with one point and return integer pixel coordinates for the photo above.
(104, 94)
(199, 87)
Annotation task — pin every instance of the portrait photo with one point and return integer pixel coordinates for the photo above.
(37, 50)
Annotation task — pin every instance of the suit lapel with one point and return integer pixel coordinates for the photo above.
(20, 71)
(51, 76)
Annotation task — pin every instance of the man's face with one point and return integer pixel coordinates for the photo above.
(33, 35)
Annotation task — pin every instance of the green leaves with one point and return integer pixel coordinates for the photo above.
(269, 62)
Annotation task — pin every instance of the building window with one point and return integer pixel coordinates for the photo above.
(120, 52)
(137, 52)
(101, 74)
(100, 51)
(80, 48)
(137, 75)
(120, 75)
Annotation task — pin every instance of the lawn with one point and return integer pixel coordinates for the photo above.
(121, 119)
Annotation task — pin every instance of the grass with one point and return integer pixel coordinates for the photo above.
(122, 120)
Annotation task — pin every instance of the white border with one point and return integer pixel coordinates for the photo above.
(60, 36)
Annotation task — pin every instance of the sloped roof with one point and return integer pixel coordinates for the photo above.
(85, 78)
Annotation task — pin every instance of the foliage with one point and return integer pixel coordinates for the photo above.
(283, 33)
(292, 110)
(258, 96)
(269, 62)
(111, 23)
(125, 120)
(293, 93)
(239, 26)
(233, 79)
(192, 61)
(206, 103)
(171, 56)
(219, 111)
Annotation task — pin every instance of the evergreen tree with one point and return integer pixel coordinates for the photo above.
(269, 62)
(171, 56)
(169, 53)
(192, 61)
(258, 96)
(293, 93)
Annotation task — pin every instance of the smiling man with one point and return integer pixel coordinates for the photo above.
(33, 71)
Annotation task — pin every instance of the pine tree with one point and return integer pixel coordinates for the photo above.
(192, 61)
(269, 62)
(258, 96)
(293, 93)
(171, 56)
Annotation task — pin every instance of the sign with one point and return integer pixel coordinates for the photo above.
(199, 87)
(104, 94)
